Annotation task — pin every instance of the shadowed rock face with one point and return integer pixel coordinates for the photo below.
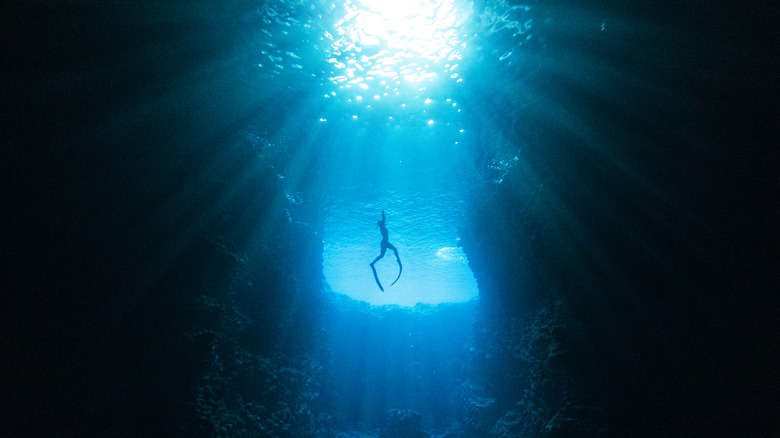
(402, 424)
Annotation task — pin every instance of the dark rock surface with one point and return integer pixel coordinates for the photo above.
(402, 424)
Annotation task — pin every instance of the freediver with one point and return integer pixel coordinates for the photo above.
(385, 244)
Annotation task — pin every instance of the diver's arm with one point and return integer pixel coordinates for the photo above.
(383, 215)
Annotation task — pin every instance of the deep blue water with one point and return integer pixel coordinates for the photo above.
(580, 192)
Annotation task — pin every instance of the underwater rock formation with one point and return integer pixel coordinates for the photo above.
(262, 372)
(402, 423)
(477, 413)
(522, 380)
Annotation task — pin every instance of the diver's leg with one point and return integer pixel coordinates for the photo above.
(381, 254)
(373, 269)
(390, 245)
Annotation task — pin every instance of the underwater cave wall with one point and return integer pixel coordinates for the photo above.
(163, 278)
(260, 331)
(532, 373)
(638, 208)
(526, 340)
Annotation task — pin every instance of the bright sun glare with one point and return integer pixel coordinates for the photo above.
(390, 41)
(422, 27)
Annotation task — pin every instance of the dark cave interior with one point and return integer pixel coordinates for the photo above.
(143, 298)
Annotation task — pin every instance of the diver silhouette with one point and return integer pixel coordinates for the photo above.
(385, 244)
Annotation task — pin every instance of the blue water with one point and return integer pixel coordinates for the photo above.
(577, 191)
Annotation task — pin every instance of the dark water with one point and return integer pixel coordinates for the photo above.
(582, 196)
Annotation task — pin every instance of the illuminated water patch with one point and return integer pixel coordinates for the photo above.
(379, 45)
(424, 229)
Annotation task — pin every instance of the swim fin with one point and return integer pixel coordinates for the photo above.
(400, 269)
(377, 278)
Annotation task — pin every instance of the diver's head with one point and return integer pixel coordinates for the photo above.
(379, 223)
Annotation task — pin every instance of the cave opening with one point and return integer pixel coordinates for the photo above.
(423, 228)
